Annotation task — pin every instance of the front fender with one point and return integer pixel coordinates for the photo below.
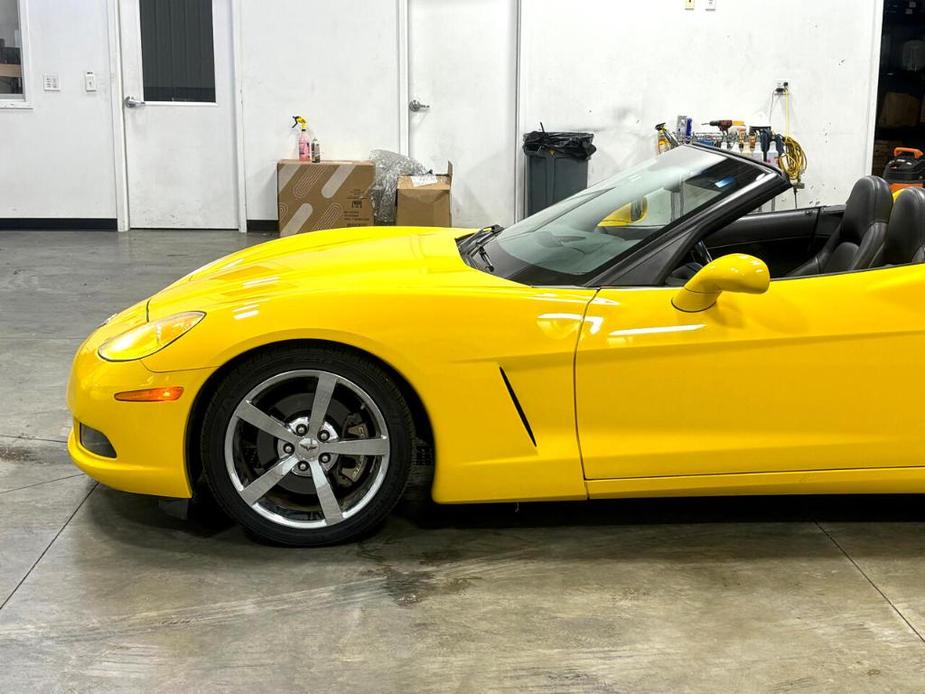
(450, 346)
(232, 330)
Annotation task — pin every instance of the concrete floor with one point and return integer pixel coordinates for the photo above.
(102, 592)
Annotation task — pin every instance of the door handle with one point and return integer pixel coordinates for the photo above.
(416, 105)
(132, 102)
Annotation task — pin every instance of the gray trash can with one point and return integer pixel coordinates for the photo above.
(557, 166)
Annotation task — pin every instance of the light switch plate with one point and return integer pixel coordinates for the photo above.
(711, 5)
(688, 4)
(90, 81)
(50, 82)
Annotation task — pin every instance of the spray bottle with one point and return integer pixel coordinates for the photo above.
(305, 148)
(316, 150)
(773, 154)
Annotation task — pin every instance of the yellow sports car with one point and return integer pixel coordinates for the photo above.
(560, 358)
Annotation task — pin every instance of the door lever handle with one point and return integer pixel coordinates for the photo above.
(132, 102)
(416, 105)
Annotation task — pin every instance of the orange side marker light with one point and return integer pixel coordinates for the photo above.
(151, 394)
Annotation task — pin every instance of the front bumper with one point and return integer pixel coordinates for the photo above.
(148, 437)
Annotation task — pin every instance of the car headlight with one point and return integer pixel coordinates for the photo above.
(145, 340)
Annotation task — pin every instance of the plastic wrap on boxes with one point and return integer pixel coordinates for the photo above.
(389, 166)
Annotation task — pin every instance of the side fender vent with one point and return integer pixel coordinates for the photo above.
(520, 410)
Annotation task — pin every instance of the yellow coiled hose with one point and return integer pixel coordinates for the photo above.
(793, 160)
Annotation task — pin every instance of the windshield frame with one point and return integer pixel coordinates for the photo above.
(768, 183)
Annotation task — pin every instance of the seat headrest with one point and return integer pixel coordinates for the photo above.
(870, 202)
(905, 234)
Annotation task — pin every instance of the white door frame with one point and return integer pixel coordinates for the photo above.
(877, 23)
(25, 62)
(404, 78)
(237, 88)
(118, 116)
(520, 88)
(120, 155)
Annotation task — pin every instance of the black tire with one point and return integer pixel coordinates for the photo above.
(345, 363)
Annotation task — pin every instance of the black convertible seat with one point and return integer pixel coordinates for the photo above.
(858, 238)
(905, 234)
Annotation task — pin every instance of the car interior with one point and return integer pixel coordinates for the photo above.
(870, 230)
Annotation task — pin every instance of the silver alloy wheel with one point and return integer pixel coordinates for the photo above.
(311, 454)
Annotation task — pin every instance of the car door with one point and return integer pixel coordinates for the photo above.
(818, 373)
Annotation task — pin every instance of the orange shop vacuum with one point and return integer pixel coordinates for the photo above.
(906, 169)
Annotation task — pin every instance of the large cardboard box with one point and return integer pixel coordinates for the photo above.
(424, 201)
(323, 195)
(899, 110)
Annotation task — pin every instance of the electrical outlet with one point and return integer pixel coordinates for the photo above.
(50, 82)
(783, 86)
(689, 4)
(90, 81)
(711, 5)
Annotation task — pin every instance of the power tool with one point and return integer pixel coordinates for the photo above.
(724, 126)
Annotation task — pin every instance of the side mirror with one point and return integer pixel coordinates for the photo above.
(630, 213)
(736, 272)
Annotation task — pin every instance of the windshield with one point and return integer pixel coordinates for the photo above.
(574, 240)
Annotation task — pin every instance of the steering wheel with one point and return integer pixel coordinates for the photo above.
(701, 253)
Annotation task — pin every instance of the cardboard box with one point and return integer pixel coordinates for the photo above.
(899, 110)
(422, 204)
(323, 195)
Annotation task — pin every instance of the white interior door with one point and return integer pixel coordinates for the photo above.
(462, 67)
(178, 82)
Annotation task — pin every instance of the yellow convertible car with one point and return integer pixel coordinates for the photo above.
(693, 346)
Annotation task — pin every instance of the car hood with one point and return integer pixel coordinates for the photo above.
(355, 259)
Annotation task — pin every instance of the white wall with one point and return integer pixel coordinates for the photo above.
(56, 159)
(333, 62)
(618, 68)
(615, 68)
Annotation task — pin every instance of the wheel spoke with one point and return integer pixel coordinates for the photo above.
(256, 490)
(329, 505)
(250, 414)
(324, 390)
(378, 446)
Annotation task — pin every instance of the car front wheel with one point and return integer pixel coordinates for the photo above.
(307, 447)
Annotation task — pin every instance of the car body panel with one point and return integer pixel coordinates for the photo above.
(905, 480)
(819, 373)
(408, 299)
(148, 437)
